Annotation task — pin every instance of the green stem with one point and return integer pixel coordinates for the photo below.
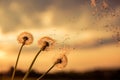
(31, 65)
(46, 72)
(13, 74)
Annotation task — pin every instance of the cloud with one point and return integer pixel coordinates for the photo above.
(37, 14)
(20, 14)
(32, 13)
(96, 43)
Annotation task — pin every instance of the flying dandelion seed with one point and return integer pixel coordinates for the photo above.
(104, 5)
(65, 50)
(115, 32)
(46, 43)
(100, 8)
(116, 37)
(24, 38)
(93, 3)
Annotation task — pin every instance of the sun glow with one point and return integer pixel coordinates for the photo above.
(2, 54)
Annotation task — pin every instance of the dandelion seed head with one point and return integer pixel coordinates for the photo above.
(46, 43)
(61, 61)
(25, 37)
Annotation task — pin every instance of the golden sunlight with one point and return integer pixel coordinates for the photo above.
(2, 54)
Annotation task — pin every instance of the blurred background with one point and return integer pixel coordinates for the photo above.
(87, 31)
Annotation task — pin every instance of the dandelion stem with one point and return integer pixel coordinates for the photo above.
(13, 74)
(31, 65)
(46, 72)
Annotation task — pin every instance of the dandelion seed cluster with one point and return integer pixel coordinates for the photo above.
(46, 42)
(61, 61)
(25, 37)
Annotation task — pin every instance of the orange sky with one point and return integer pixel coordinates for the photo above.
(89, 30)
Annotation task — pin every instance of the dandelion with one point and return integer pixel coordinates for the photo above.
(44, 43)
(60, 62)
(24, 38)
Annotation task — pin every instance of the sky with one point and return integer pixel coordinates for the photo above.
(87, 31)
